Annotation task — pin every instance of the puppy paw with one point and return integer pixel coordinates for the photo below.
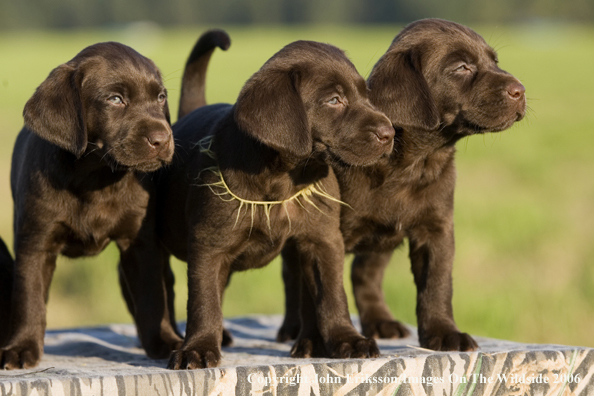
(384, 329)
(354, 347)
(161, 348)
(227, 338)
(449, 341)
(287, 333)
(20, 357)
(198, 357)
(308, 347)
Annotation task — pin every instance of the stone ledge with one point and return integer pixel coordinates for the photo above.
(108, 361)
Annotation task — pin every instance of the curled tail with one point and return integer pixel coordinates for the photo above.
(6, 281)
(193, 82)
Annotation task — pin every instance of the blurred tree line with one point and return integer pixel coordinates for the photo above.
(63, 14)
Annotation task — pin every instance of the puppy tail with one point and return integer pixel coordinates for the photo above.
(193, 82)
(6, 281)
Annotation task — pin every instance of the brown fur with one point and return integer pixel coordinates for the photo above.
(92, 130)
(438, 82)
(307, 106)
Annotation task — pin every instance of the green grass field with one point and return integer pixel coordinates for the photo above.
(524, 266)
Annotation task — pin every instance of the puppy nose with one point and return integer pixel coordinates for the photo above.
(159, 139)
(385, 134)
(515, 90)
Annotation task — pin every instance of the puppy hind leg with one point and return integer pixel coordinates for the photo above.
(169, 283)
(224, 281)
(290, 328)
(144, 289)
(125, 289)
(309, 342)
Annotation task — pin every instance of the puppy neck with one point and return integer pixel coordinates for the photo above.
(270, 174)
(421, 155)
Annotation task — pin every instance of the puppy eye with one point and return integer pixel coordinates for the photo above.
(464, 68)
(334, 101)
(162, 98)
(117, 100)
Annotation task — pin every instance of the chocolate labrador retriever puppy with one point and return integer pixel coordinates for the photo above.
(438, 82)
(253, 176)
(92, 130)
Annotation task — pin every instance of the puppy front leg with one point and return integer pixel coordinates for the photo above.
(432, 257)
(322, 269)
(32, 277)
(204, 331)
(143, 268)
(367, 273)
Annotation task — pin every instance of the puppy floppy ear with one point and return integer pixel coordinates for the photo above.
(55, 112)
(399, 89)
(271, 110)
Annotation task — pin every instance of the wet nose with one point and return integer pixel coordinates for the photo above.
(515, 90)
(159, 139)
(385, 133)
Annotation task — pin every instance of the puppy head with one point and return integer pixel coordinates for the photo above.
(309, 96)
(439, 74)
(108, 99)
